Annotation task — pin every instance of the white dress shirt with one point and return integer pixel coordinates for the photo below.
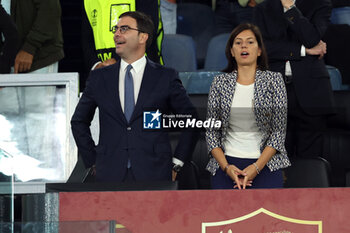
(6, 4)
(138, 68)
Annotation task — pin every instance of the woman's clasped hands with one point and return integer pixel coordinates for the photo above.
(242, 179)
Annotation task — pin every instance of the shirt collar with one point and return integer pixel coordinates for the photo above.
(137, 65)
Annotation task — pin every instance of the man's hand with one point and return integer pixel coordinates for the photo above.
(320, 49)
(287, 3)
(107, 62)
(174, 174)
(23, 61)
(93, 170)
(252, 3)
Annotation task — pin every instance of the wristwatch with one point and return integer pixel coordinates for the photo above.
(176, 168)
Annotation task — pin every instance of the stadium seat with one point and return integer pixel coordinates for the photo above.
(215, 59)
(307, 173)
(179, 52)
(196, 20)
(335, 78)
(341, 15)
(337, 38)
(197, 82)
(337, 138)
(200, 154)
(188, 177)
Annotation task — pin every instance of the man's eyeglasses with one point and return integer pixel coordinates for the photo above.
(123, 29)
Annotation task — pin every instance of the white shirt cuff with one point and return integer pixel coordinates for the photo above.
(302, 51)
(288, 68)
(94, 66)
(178, 162)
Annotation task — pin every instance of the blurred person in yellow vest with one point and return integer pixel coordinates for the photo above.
(100, 16)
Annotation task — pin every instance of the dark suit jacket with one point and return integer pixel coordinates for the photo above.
(340, 3)
(150, 151)
(284, 33)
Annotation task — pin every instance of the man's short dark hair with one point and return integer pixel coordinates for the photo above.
(144, 24)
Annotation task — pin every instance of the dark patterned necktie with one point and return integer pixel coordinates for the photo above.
(129, 102)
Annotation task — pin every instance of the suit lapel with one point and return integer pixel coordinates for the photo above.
(303, 5)
(112, 86)
(149, 79)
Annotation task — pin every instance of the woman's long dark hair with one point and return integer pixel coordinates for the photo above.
(262, 59)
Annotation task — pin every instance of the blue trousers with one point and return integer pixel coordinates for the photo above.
(266, 178)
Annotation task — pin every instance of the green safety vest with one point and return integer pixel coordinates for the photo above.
(103, 15)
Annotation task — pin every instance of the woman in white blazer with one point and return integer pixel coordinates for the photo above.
(251, 103)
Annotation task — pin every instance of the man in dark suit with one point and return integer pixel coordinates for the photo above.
(122, 92)
(292, 32)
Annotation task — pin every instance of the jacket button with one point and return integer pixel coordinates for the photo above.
(128, 129)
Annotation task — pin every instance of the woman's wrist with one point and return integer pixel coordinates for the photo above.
(256, 168)
(226, 168)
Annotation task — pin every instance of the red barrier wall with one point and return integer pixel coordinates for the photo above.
(219, 211)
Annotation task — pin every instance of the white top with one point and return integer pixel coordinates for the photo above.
(243, 136)
(138, 68)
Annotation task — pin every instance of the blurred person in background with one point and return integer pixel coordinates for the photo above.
(231, 13)
(39, 26)
(169, 18)
(100, 16)
(8, 41)
(293, 31)
(33, 107)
